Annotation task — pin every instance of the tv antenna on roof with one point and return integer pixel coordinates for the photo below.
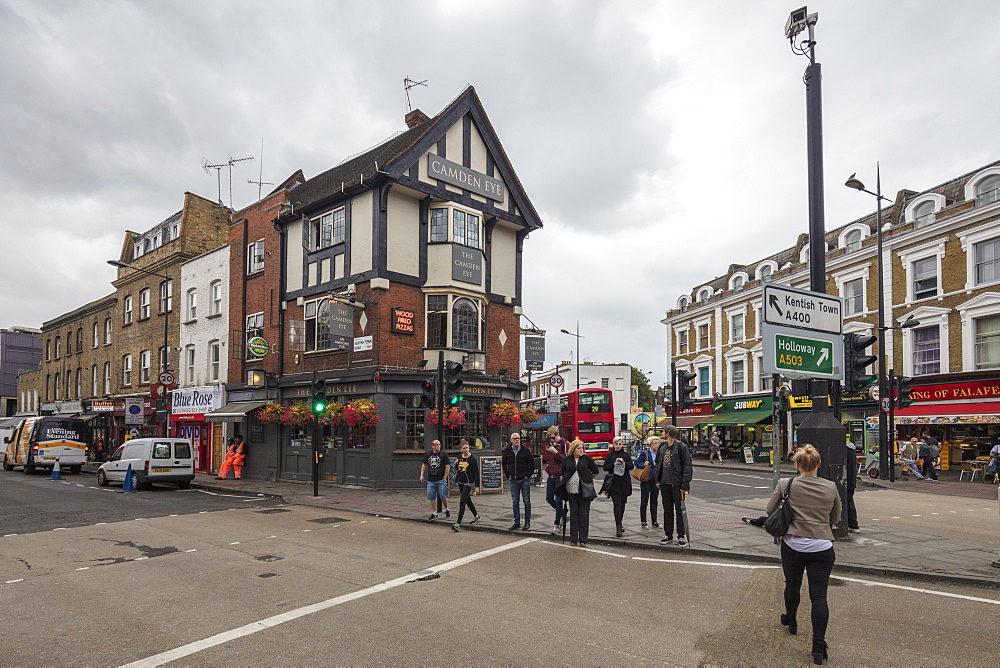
(218, 170)
(260, 183)
(206, 166)
(409, 83)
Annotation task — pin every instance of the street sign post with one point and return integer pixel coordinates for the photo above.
(797, 353)
(791, 307)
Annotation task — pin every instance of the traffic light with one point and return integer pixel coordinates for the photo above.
(684, 390)
(453, 384)
(319, 395)
(903, 391)
(428, 393)
(855, 361)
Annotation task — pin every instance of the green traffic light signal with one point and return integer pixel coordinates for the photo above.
(455, 399)
(319, 407)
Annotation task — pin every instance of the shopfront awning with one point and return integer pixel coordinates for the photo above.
(690, 421)
(92, 416)
(236, 410)
(735, 418)
(977, 413)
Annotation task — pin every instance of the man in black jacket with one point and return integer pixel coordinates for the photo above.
(673, 478)
(519, 466)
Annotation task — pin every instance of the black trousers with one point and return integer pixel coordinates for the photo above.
(647, 496)
(671, 497)
(466, 500)
(579, 518)
(817, 566)
(619, 499)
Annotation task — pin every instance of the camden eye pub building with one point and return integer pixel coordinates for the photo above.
(380, 265)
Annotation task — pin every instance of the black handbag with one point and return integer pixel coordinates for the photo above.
(587, 491)
(777, 522)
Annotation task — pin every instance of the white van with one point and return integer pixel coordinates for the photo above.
(161, 459)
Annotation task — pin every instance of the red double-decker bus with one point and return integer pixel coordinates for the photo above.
(587, 414)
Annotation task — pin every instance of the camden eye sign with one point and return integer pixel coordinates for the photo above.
(792, 307)
(463, 177)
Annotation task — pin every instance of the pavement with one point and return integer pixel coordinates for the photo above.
(913, 551)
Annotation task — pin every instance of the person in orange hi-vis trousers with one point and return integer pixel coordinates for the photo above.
(229, 460)
(241, 456)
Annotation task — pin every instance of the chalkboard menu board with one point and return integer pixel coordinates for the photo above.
(490, 474)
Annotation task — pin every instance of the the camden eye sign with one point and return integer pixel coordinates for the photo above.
(792, 307)
(463, 177)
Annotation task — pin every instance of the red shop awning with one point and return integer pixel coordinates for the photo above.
(987, 412)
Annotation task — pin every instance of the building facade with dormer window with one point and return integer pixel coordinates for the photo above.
(389, 263)
(941, 267)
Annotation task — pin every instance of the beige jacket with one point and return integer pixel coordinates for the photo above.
(815, 506)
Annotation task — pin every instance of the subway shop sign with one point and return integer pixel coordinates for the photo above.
(795, 353)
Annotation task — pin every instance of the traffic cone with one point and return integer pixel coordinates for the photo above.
(127, 485)
(55, 471)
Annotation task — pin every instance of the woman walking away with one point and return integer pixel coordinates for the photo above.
(578, 472)
(808, 544)
(554, 451)
(467, 479)
(647, 488)
(618, 463)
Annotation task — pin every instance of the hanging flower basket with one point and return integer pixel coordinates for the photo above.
(529, 416)
(298, 414)
(360, 413)
(271, 413)
(333, 415)
(450, 418)
(503, 414)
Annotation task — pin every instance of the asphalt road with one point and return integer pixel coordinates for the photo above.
(294, 585)
(30, 503)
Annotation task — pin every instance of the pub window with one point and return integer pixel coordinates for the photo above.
(465, 325)
(437, 321)
(439, 224)
(255, 327)
(409, 425)
(474, 430)
(328, 229)
(319, 325)
(255, 256)
(464, 226)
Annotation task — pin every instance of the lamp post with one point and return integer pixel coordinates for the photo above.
(885, 470)
(165, 360)
(578, 337)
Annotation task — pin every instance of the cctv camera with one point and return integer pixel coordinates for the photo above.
(796, 22)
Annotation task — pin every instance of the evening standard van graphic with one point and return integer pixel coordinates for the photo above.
(39, 442)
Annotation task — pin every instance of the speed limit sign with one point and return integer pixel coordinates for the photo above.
(166, 378)
(556, 380)
(886, 404)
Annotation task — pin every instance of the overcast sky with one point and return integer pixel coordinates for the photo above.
(659, 141)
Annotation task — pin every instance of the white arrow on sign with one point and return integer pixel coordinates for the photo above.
(825, 353)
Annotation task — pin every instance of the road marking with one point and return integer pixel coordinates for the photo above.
(140, 559)
(195, 550)
(871, 583)
(707, 563)
(722, 482)
(13, 581)
(740, 475)
(764, 487)
(589, 549)
(9, 534)
(236, 543)
(60, 529)
(291, 615)
(85, 568)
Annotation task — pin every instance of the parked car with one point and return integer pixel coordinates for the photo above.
(152, 460)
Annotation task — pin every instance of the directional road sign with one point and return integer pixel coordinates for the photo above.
(796, 353)
(791, 307)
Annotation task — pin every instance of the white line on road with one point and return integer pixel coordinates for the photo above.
(589, 549)
(740, 475)
(707, 563)
(722, 482)
(871, 583)
(14, 581)
(269, 622)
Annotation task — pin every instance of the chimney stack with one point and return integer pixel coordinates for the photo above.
(415, 118)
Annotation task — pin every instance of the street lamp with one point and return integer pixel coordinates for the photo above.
(885, 469)
(578, 337)
(165, 359)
